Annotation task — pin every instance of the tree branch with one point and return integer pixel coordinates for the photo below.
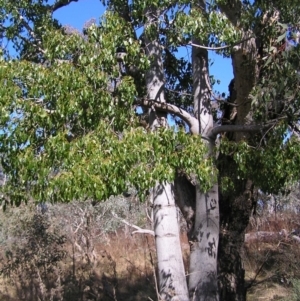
(221, 47)
(138, 229)
(180, 93)
(239, 128)
(222, 100)
(232, 9)
(172, 109)
(37, 102)
(61, 3)
(30, 32)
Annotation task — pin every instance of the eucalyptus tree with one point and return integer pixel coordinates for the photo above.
(71, 126)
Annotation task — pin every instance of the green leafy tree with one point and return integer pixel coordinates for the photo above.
(71, 126)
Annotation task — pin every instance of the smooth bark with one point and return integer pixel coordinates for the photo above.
(203, 284)
(171, 275)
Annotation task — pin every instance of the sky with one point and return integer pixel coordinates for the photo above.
(77, 13)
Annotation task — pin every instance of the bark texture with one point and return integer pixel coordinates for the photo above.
(203, 284)
(185, 196)
(171, 274)
(235, 210)
(236, 207)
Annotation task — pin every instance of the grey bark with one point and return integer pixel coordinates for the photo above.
(203, 284)
(171, 275)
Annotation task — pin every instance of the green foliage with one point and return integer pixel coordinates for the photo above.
(295, 296)
(226, 185)
(68, 126)
(273, 96)
(214, 24)
(272, 165)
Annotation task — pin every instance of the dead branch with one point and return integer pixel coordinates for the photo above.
(296, 238)
(267, 235)
(154, 273)
(221, 47)
(138, 229)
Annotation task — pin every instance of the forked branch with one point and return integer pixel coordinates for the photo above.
(191, 121)
(138, 229)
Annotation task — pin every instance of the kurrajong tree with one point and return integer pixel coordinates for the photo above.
(79, 122)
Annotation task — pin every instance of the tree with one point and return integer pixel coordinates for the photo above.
(71, 126)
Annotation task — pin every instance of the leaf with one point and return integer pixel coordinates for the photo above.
(284, 26)
(280, 38)
(268, 61)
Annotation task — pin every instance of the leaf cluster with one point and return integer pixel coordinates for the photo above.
(272, 165)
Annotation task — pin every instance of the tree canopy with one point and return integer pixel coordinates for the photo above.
(69, 122)
(76, 105)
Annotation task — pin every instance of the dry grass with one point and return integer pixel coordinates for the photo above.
(120, 270)
(121, 267)
(271, 264)
(267, 292)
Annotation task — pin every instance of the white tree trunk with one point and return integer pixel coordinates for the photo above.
(171, 274)
(203, 282)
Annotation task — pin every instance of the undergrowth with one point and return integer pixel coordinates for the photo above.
(80, 251)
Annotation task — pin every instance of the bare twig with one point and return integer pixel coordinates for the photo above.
(79, 226)
(154, 274)
(219, 48)
(178, 92)
(253, 280)
(149, 217)
(138, 229)
(39, 102)
(258, 271)
(219, 99)
(268, 130)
